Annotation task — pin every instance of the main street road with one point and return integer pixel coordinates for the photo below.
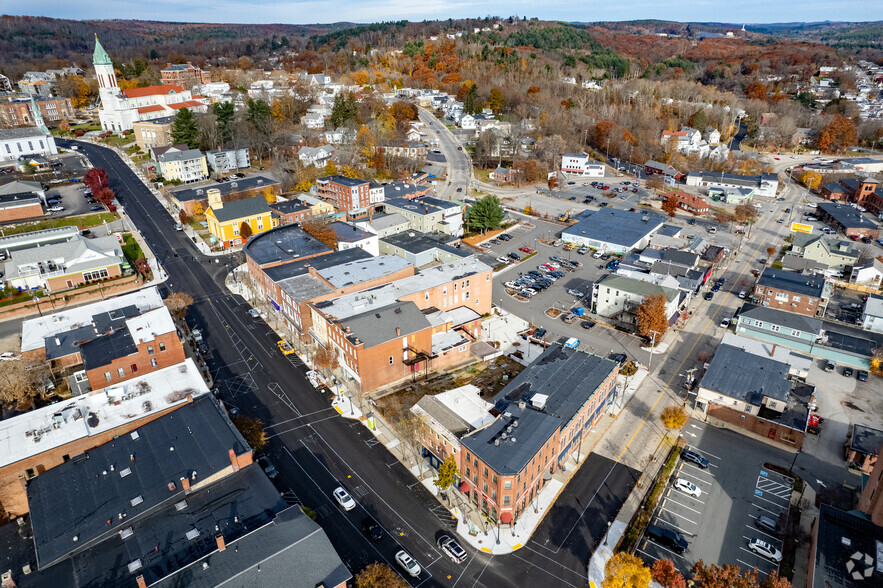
(458, 161)
(315, 449)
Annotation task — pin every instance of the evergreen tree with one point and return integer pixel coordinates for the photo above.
(224, 113)
(259, 115)
(185, 130)
(344, 110)
(485, 214)
(472, 103)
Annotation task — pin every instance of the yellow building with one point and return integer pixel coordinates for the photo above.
(225, 218)
(318, 207)
(153, 133)
(185, 166)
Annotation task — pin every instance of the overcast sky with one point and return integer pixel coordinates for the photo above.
(323, 11)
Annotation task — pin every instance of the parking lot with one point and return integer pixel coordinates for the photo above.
(734, 491)
(72, 199)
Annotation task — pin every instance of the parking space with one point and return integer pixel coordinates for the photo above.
(719, 510)
(70, 197)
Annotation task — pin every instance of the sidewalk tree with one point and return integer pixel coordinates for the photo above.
(485, 214)
(142, 267)
(670, 206)
(64, 126)
(664, 573)
(104, 195)
(379, 575)
(625, 570)
(95, 179)
(178, 303)
(185, 129)
(770, 250)
(652, 319)
(244, 230)
(325, 359)
(674, 417)
(730, 576)
(183, 216)
(447, 473)
(410, 430)
(252, 430)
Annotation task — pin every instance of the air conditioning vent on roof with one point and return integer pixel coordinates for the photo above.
(137, 500)
(192, 534)
(126, 533)
(134, 565)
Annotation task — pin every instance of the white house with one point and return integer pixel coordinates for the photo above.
(592, 85)
(867, 272)
(24, 142)
(618, 297)
(579, 164)
(228, 159)
(872, 317)
(467, 122)
(313, 120)
(763, 185)
(315, 156)
(712, 136)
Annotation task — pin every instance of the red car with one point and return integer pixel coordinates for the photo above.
(605, 187)
(633, 209)
(526, 249)
(854, 237)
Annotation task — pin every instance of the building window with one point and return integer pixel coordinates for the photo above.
(107, 376)
(467, 295)
(150, 350)
(774, 328)
(507, 485)
(30, 473)
(121, 372)
(153, 362)
(494, 479)
(162, 347)
(390, 360)
(795, 333)
(134, 368)
(484, 487)
(507, 500)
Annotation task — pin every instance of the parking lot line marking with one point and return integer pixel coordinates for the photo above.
(697, 478)
(647, 554)
(685, 494)
(680, 516)
(770, 501)
(773, 537)
(768, 510)
(711, 455)
(696, 467)
(669, 499)
(661, 548)
(675, 527)
(750, 566)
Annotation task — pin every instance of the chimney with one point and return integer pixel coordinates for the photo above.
(185, 484)
(221, 545)
(773, 351)
(57, 341)
(233, 460)
(6, 579)
(141, 582)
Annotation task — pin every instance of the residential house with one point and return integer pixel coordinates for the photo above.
(64, 264)
(313, 120)
(863, 445)
(711, 135)
(867, 272)
(830, 251)
(864, 191)
(748, 392)
(467, 122)
(448, 417)
(318, 207)
(663, 169)
(384, 224)
(150, 134)
(184, 166)
(291, 211)
(196, 199)
(848, 220)
(614, 230)
(763, 185)
(687, 141)
(350, 236)
(503, 174)
(49, 436)
(316, 156)
(792, 292)
(225, 219)
(618, 297)
(689, 202)
(777, 326)
(23, 142)
(225, 160)
(872, 315)
(428, 215)
(541, 417)
(731, 195)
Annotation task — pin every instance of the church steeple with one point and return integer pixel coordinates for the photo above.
(38, 117)
(100, 57)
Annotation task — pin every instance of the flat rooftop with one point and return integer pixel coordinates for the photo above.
(362, 270)
(302, 266)
(35, 330)
(42, 429)
(285, 243)
(848, 553)
(226, 188)
(619, 227)
(793, 282)
(847, 216)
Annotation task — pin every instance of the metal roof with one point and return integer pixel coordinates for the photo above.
(619, 227)
(792, 282)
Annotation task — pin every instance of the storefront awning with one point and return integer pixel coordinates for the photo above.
(506, 518)
(465, 487)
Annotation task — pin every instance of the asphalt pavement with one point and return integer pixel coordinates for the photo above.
(316, 450)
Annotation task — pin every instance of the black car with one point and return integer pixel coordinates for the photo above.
(861, 376)
(620, 357)
(514, 256)
(587, 324)
(694, 457)
(667, 537)
(372, 529)
(847, 371)
(709, 295)
(504, 236)
(540, 333)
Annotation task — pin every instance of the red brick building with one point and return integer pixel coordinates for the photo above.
(184, 74)
(792, 292)
(689, 202)
(17, 112)
(864, 191)
(345, 194)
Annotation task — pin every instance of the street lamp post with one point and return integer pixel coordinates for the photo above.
(607, 535)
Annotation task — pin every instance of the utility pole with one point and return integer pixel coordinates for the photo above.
(652, 347)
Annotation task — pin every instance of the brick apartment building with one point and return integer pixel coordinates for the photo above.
(184, 74)
(345, 194)
(291, 211)
(238, 189)
(864, 191)
(792, 292)
(15, 112)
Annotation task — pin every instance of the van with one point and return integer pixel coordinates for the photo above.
(829, 366)
(569, 318)
(768, 525)
(667, 538)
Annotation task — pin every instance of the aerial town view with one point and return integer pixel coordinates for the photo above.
(388, 295)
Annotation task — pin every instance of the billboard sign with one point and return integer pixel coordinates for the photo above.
(801, 228)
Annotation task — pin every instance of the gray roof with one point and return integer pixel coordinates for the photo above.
(670, 230)
(244, 208)
(449, 419)
(636, 286)
(285, 243)
(289, 206)
(379, 325)
(417, 242)
(842, 535)
(20, 133)
(193, 438)
(319, 262)
(101, 351)
(343, 180)
(385, 221)
(781, 318)
(683, 258)
(226, 188)
(747, 377)
(68, 342)
(792, 282)
(569, 378)
(362, 270)
(348, 233)
(181, 155)
(19, 186)
(619, 227)
(20, 199)
(865, 439)
(304, 287)
(64, 255)
(847, 216)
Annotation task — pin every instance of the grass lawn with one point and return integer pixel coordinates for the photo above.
(21, 297)
(131, 249)
(88, 220)
(483, 175)
(116, 141)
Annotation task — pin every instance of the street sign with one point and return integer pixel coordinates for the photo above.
(801, 228)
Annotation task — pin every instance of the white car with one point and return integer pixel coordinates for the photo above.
(344, 499)
(56, 208)
(725, 323)
(764, 549)
(505, 260)
(597, 255)
(314, 378)
(408, 563)
(687, 487)
(9, 356)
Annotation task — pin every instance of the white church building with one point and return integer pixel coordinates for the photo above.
(120, 109)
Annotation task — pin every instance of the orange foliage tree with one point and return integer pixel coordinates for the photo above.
(839, 134)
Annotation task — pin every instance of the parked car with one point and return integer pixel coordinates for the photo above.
(527, 250)
(847, 372)
(503, 260)
(372, 529)
(693, 457)
(622, 358)
(767, 524)
(514, 256)
(575, 293)
(742, 293)
(587, 324)
(540, 333)
(94, 208)
(284, 347)
(504, 236)
(404, 559)
(344, 499)
(314, 378)
(725, 323)
(9, 356)
(829, 366)
(452, 549)
(583, 250)
(56, 209)
(709, 295)
(861, 376)
(253, 313)
(764, 549)
(268, 467)
(667, 538)
(687, 487)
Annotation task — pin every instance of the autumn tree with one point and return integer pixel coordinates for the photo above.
(485, 214)
(20, 382)
(447, 473)
(142, 266)
(652, 317)
(731, 576)
(674, 417)
(770, 250)
(183, 216)
(625, 570)
(269, 195)
(745, 213)
(198, 208)
(321, 231)
(252, 430)
(64, 126)
(496, 101)
(670, 205)
(245, 229)
(325, 359)
(756, 91)
(95, 178)
(877, 362)
(552, 182)
(664, 572)
(838, 135)
(379, 575)
(178, 303)
(402, 112)
(527, 171)
(104, 195)
(811, 178)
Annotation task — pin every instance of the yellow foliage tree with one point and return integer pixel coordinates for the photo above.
(811, 179)
(330, 168)
(625, 570)
(276, 110)
(269, 195)
(198, 208)
(674, 417)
